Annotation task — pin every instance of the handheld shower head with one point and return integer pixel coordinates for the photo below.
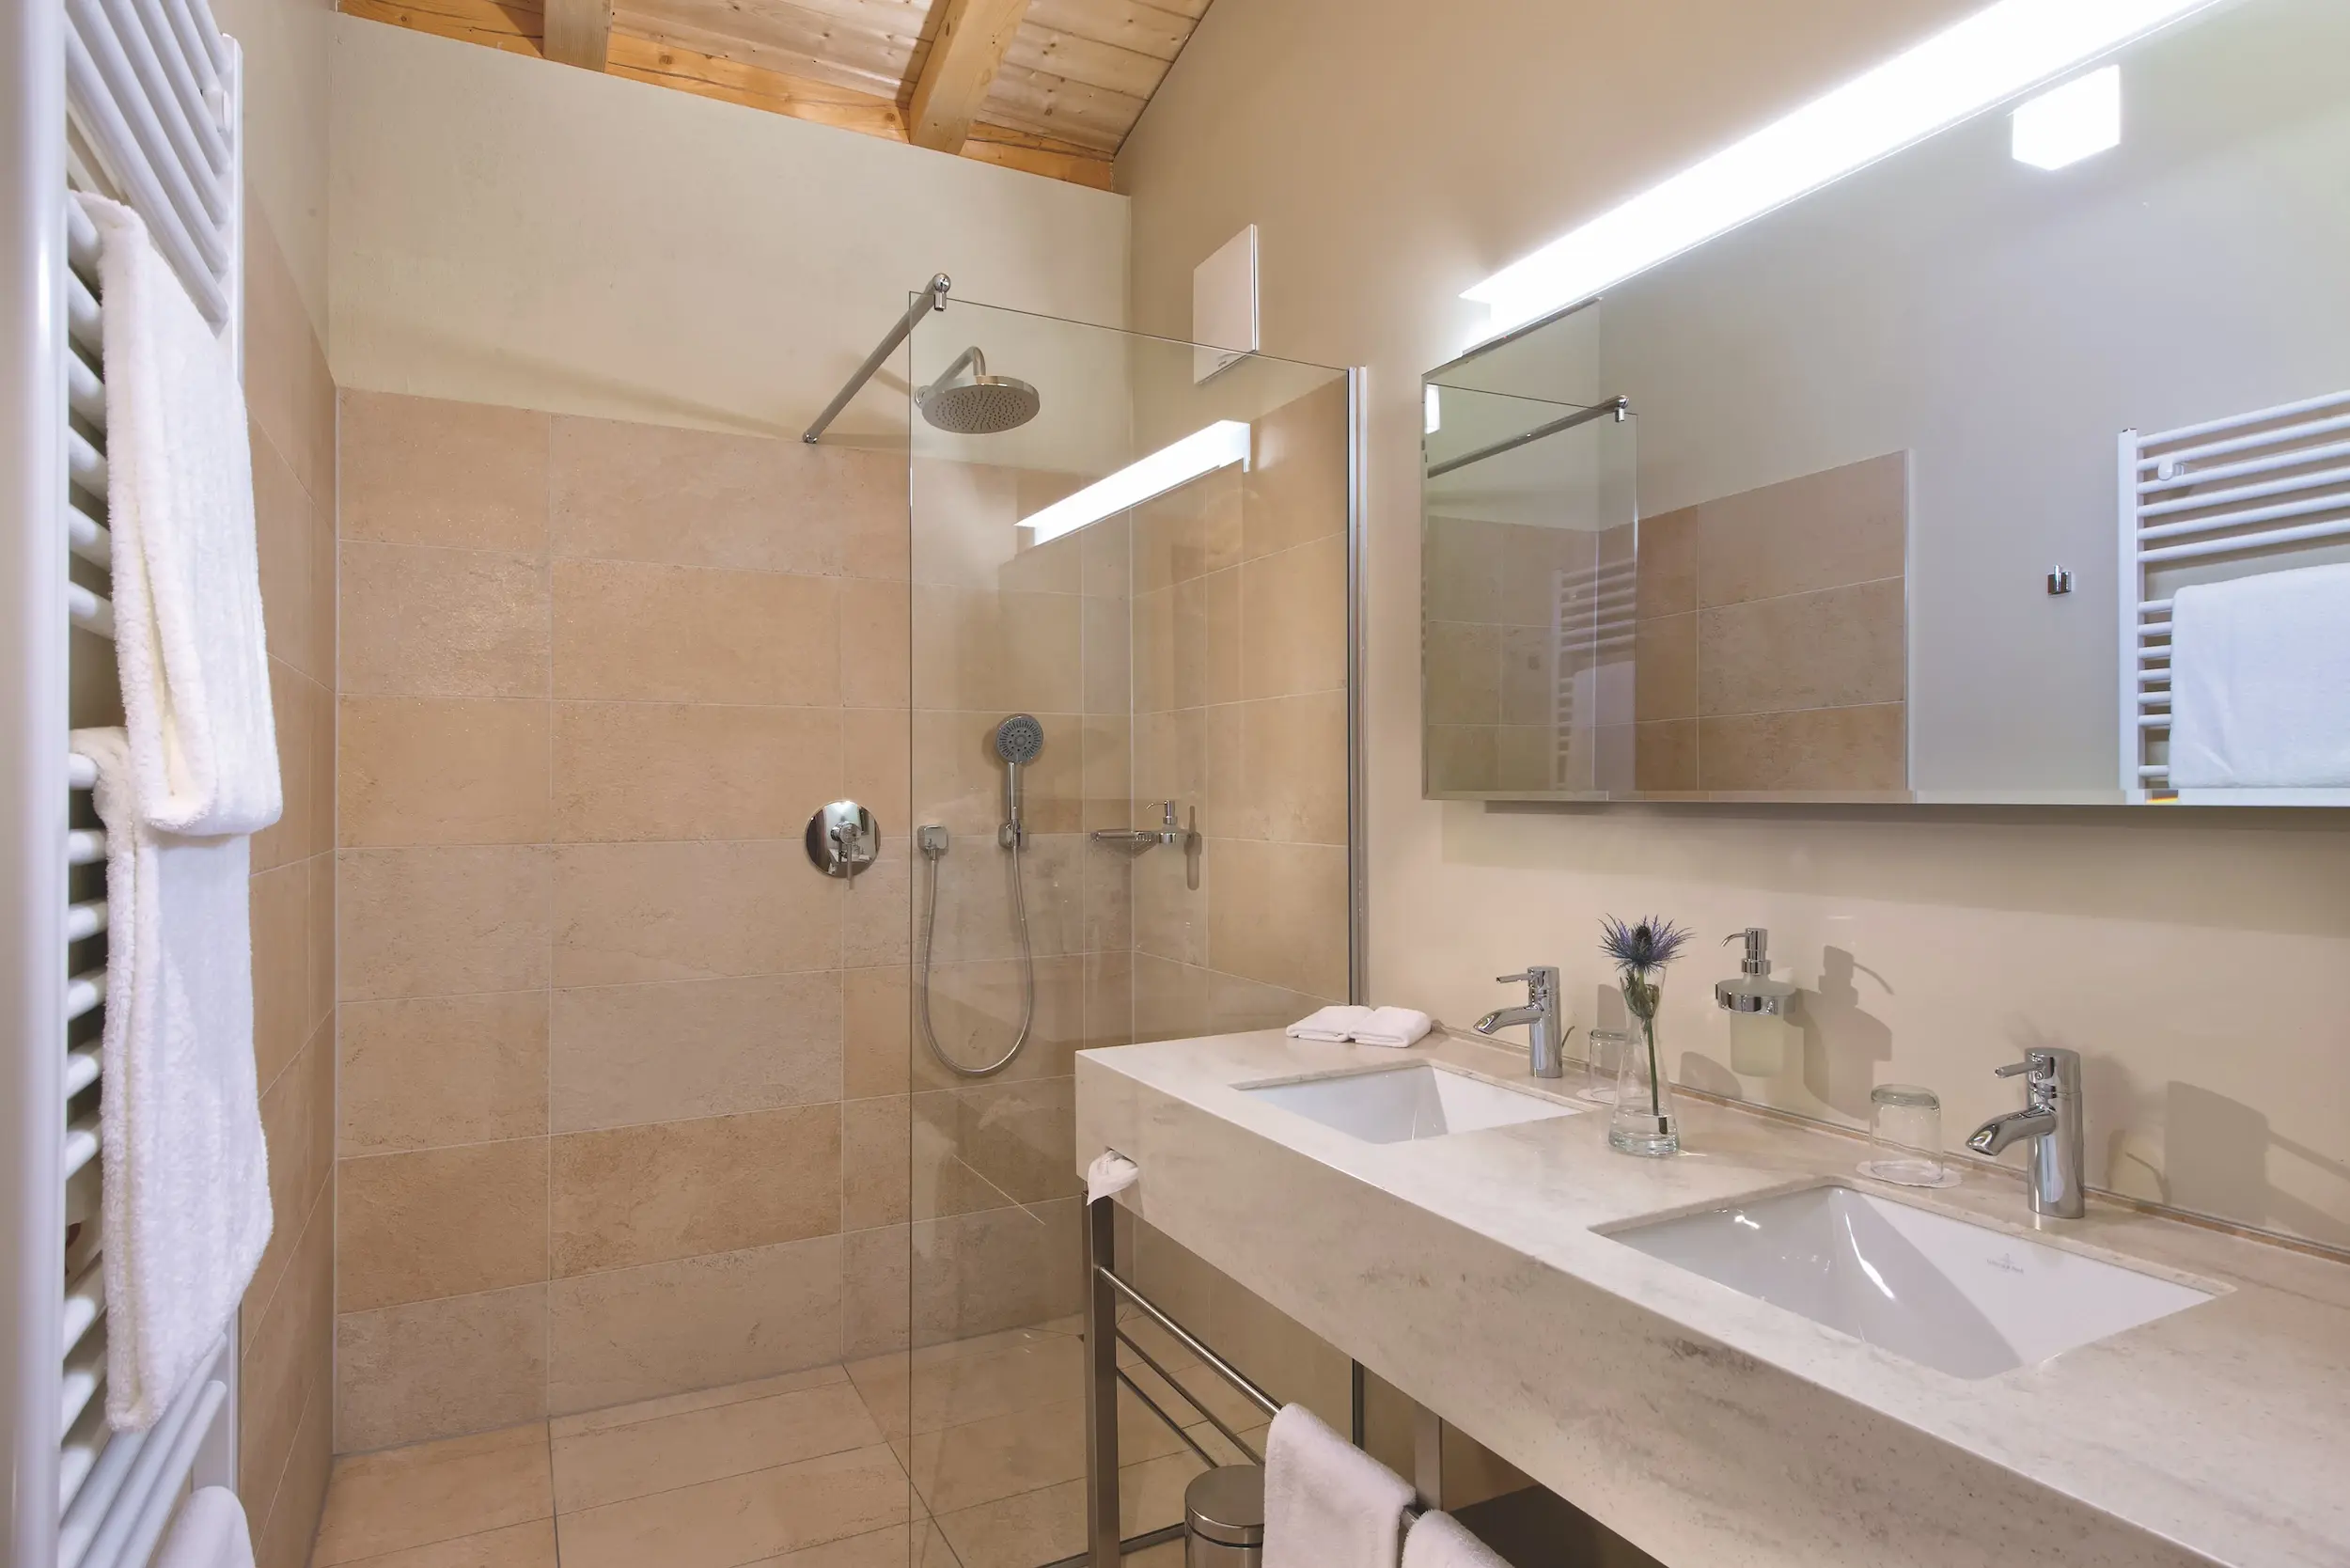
(1018, 740)
(984, 405)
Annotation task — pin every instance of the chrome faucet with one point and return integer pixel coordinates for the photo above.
(1544, 1038)
(2051, 1118)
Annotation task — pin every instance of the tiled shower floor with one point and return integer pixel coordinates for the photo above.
(810, 1470)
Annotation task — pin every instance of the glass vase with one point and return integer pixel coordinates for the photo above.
(1641, 1122)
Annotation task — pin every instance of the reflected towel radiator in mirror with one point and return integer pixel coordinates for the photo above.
(2229, 497)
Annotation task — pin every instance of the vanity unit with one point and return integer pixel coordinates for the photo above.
(1749, 1355)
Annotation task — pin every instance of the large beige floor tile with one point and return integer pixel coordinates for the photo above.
(744, 1518)
(525, 1545)
(701, 1399)
(961, 1467)
(1166, 1554)
(1046, 1525)
(432, 1492)
(919, 1545)
(655, 1455)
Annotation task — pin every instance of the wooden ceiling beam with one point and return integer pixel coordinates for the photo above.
(579, 32)
(965, 51)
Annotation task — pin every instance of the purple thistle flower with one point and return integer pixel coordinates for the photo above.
(1639, 949)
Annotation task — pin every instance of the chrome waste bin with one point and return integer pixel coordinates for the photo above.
(1224, 1518)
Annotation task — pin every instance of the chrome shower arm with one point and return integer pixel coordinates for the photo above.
(970, 356)
(932, 297)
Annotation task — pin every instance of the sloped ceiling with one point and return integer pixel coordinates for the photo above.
(1052, 87)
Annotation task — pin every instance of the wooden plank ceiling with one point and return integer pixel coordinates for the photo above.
(1051, 86)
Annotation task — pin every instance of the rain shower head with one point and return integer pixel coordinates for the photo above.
(1018, 740)
(984, 405)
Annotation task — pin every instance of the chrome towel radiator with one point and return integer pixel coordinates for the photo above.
(139, 100)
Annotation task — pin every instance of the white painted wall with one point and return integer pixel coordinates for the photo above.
(286, 44)
(506, 231)
(1393, 153)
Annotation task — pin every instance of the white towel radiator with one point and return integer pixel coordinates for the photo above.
(140, 100)
(2230, 497)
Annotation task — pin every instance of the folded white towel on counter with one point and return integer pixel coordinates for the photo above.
(1110, 1172)
(1330, 1023)
(186, 1205)
(1364, 1026)
(187, 576)
(1327, 1504)
(2260, 682)
(1392, 1026)
(1439, 1541)
(210, 1532)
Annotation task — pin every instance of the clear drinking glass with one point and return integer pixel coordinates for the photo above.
(1603, 1063)
(1905, 1137)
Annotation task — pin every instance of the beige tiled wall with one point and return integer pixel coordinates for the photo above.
(1772, 650)
(1239, 680)
(601, 1016)
(287, 1325)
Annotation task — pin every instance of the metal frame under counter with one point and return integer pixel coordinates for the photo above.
(1706, 1426)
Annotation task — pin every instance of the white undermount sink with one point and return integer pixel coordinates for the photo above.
(1965, 1299)
(1395, 1104)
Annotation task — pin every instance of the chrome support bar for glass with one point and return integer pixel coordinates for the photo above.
(931, 296)
(1621, 408)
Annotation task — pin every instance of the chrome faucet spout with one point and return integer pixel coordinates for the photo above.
(1544, 1037)
(2051, 1120)
(2000, 1132)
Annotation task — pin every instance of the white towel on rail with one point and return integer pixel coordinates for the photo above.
(187, 581)
(1327, 1504)
(210, 1532)
(2260, 682)
(186, 1209)
(1437, 1539)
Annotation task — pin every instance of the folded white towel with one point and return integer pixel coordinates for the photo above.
(1110, 1172)
(187, 580)
(1327, 1504)
(2260, 682)
(1439, 1541)
(1330, 1023)
(186, 1173)
(1392, 1026)
(210, 1532)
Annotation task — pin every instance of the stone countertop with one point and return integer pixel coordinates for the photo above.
(1708, 1426)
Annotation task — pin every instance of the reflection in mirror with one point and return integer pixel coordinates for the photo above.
(1528, 594)
(1966, 478)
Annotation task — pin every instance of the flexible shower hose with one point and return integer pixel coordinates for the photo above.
(1027, 973)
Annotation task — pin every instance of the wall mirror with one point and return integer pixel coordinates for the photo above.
(1962, 479)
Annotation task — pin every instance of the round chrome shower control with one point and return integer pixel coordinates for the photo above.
(842, 838)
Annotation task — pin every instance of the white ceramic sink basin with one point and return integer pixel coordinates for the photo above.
(1965, 1299)
(1394, 1104)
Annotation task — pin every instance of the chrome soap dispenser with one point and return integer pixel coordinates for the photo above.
(1757, 1006)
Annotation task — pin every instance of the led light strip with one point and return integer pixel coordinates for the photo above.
(1956, 73)
(1204, 451)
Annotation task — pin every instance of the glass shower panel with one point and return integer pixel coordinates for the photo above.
(1127, 747)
